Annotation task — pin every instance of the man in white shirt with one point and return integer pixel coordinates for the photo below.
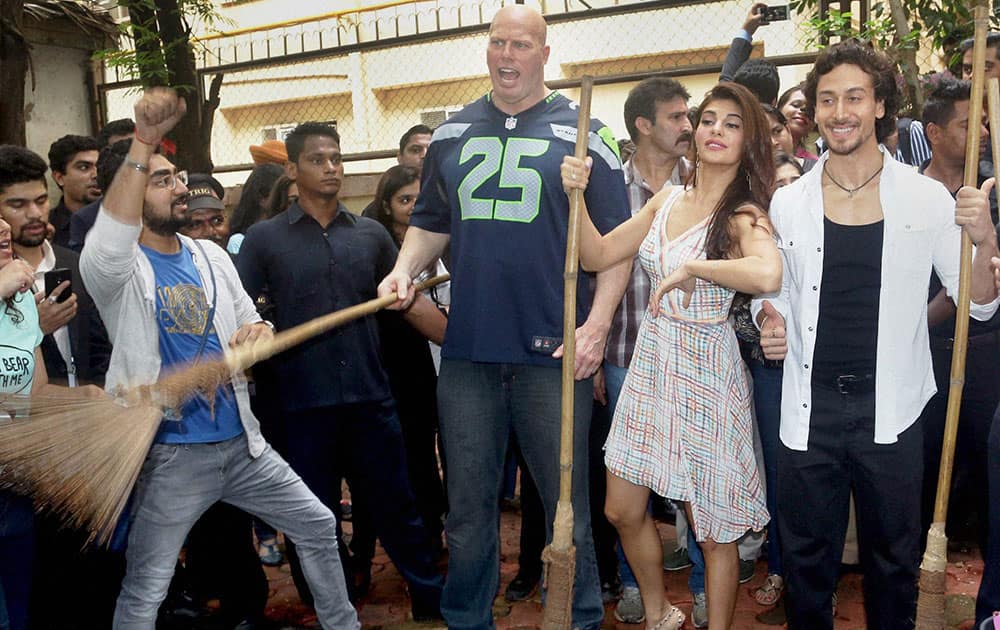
(860, 234)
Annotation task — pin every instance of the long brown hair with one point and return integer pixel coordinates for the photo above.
(755, 177)
(392, 180)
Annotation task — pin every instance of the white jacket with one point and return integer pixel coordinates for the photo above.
(919, 233)
(120, 279)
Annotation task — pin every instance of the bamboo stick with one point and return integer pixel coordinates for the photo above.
(560, 556)
(930, 601)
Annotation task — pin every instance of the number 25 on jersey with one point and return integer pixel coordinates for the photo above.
(506, 160)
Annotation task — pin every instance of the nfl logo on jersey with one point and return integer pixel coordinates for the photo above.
(510, 123)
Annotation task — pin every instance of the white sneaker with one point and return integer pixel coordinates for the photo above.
(629, 608)
(699, 612)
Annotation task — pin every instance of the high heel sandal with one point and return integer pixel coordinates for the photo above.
(673, 620)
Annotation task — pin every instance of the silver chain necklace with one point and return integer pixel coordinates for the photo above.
(850, 191)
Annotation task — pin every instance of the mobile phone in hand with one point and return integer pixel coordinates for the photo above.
(774, 14)
(56, 277)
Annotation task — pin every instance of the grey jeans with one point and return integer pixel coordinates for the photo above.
(179, 482)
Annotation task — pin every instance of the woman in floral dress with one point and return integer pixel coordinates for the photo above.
(683, 427)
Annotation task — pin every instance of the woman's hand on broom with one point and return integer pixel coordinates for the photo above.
(250, 333)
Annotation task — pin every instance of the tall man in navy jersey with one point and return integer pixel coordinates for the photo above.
(491, 186)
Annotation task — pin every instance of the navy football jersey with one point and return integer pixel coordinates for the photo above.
(492, 181)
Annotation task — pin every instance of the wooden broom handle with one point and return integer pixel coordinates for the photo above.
(245, 356)
(965, 272)
(570, 273)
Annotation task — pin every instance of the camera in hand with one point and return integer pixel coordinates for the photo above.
(774, 14)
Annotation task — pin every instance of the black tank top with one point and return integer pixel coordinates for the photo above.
(847, 328)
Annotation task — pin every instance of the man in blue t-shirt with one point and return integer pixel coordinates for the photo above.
(491, 186)
(169, 301)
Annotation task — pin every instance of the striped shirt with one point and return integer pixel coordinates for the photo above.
(625, 323)
(919, 147)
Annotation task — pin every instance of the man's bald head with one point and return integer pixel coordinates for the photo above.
(526, 17)
(516, 56)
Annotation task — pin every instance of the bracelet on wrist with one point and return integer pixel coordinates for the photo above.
(145, 142)
(142, 168)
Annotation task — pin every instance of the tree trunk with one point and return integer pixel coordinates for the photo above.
(194, 151)
(149, 56)
(208, 108)
(907, 58)
(14, 63)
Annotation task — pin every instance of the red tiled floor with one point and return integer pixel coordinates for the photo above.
(387, 605)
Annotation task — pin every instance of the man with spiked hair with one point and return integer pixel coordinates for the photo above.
(860, 234)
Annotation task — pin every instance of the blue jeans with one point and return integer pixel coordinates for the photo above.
(179, 482)
(696, 580)
(480, 405)
(989, 590)
(767, 403)
(17, 548)
(614, 378)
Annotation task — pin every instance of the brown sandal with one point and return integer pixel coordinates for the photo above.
(768, 593)
(673, 620)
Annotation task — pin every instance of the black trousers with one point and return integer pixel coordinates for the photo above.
(73, 588)
(363, 443)
(989, 589)
(605, 534)
(980, 396)
(222, 562)
(814, 490)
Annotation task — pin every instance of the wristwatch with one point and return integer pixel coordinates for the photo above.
(268, 324)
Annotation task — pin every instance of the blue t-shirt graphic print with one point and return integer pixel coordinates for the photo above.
(181, 312)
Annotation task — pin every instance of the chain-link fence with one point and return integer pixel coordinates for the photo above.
(375, 73)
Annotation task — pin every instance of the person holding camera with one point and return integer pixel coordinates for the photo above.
(75, 346)
(75, 350)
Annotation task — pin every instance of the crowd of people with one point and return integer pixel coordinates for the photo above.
(764, 333)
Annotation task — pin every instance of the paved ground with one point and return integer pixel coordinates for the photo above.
(387, 607)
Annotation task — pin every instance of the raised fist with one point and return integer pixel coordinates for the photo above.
(156, 113)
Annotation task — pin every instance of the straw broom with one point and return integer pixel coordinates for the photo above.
(560, 555)
(79, 457)
(930, 602)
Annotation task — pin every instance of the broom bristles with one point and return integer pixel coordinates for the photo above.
(77, 457)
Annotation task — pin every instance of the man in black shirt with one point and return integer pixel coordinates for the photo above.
(946, 119)
(315, 258)
(83, 219)
(73, 160)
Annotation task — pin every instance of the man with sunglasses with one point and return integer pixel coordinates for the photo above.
(169, 301)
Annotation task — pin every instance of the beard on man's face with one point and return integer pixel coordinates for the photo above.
(168, 225)
(31, 240)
